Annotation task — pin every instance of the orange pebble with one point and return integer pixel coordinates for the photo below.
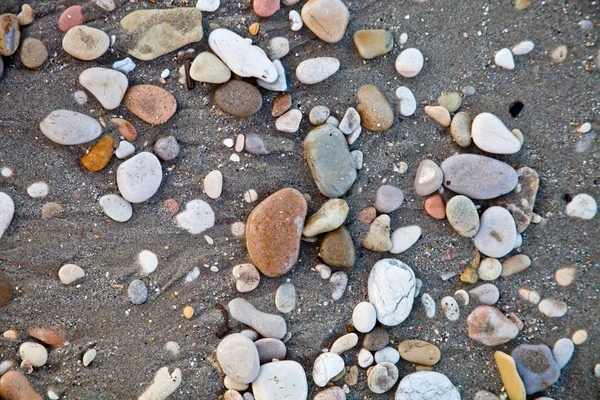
(188, 312)
(99, 155)
(434, 206)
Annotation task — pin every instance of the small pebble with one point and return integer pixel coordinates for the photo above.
(295, 21)
(125, 66)
(89, 356)
(137, 292)
(124, 150)
(339, 281)
(163, 386)
(487, 294)
(344, 343)
(439, 114)
(323, 270)
(552, 307)
(515, 264)
(382, 377)
(285, 298)
(326, 367)
(38, 190)
(148, 261)
(115, 207)
(460, 129)
(70, 273)
(208, 5)
(522, 48)
(255, 145)
(278, 48)
(378, 237)
(408, 102)
(318, 115)
(504, 58)
(213, 184)
(434, 206)
(289, 122)
(172, 347)
(559, 53)
(429, 305)
(419, 352)
(377, 339)
(33, 53)
(450, 308)
(364, 317)
(450, 101)
(583, 206)
(565, 276)
(579, 336)
(387, 354)
(188, 312)
(563, 351)
(25, 16)
(365, 358)
(388, 199)
(489, 269)
(250, 196)
(281, 104)
(409, 63)
(246, 277)
(462, 297)
(404, 238)
(166, 148)
(315, 70)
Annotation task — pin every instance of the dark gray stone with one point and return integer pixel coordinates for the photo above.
(536, 366)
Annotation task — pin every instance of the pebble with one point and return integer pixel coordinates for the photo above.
(327, 19)
(148, 261)
(559, 53)
(331, 120)
(487, 294)
(582, 206)
(11, 34)
(391, 289)
(463, 216)
(490, 326)
(419, 352)
(255, 145)
(536, 366)
(163, 386)
(388, 199)
(371, 43)
(281, 380)
(147, 31)
(330, 216)
(324, 271)
(375, 112)
(242, 58)
(124, 150)
(332, 393)
(409, 63)
(504, 58)
(71, 17)
(510, 377)
(521, 200)
(238, 358)
(344, 343)
(99, 155)
(289, 122)
(563, 351)
(5, 366)
(429, 305)
(7, 211)
(246, 277)
(70, 273)
(10, 334)
(166, 148)
(270, 349)
(265, 8)
(70, 127)
(85, 43)
(404, 238)
(38, 190)
(491, 135)
(339, 281)
(125, 66)
(367, 215)
(318, 115)
(208, 5)
(408, 102)
(365, 358)
(325, 367)
(233, 385)
(434, 206)
(250, 196)
(280, 84)
(350, 122)
(209, 68)
(137, 292)
(188, 312)
(564, 276)
(125, 129)
(89, 356)
(53, 336)
(364, 317)
(232, 395)
(497, 234)
(14, 385)
(33, 352)
(522, 48)
(337, 248)
(387, 354)
(33, 53)
(421, 385)
(450, 308)
(295, 19)
(358, 157)
(139, 178)
(579, 336)
(25, 16)
(530, 295)
(107, 5)
(429, 178)
(281, 104)
(450, 101)
(485, 395)
(489, 269)
(460, 129)
(552, 307)
(150, 103)
(377, 339)
(315, 70)
(382, 377)
(213, 184)
(439, 114)
(515, 264)
(285, 298)
(238, 98)
(197, 217)
(329, 160)
(278, 48)
(378, 237)
(267, 325)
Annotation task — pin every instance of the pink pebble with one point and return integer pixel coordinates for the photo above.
(71, 17)
(265, 8)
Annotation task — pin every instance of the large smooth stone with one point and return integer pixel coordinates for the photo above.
(478, 177)
(329, 160)
(536, 366)
(242, 58)
(10, 34)
(7, 211)
(490, 326)
(375, 111)
(337, 249)
(330, 216)
(315, 70)
(14, 385)
(274, 230)
(520, 201)
(426, 385)
(85, 43)
(238, 98)
(382, 377)
(267, 325)
(463, 216)
(70, 127)
(281, 380)
(139, 178)
(491, 135)
(107, 85)
(497, 234)
(327, 19)
(326, 367)
(428, 178)
(209, 68)
(391, 290)
(371, 43)
(238, 358)
(153, 33)
(150, 103)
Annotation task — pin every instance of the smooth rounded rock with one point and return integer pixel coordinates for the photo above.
(583, 206)
(429, 178)
(99, 155)
(404, 238)
(387, 354)
(163, 385)
(350, 122)
(504, 58)
(33, 352)
(280, 380)
(238, 98)
(124, 150)
(285, 298)
(491, 135)
(70, 273)
(269, 349)
(327, 19)
(408, 102)
(365, 358)
(166, 148)
(289, 122)
(364, 317)
(497, 234)
(207, 67)
(434, 206)
(375, 111)
(489, 269)
(7, 211)
(326, 366)
(485, 395)
(344, 343)
(515, 264)
(426, 385)
(419, 352)
(139, 178)
(137, 292)
(439, 114)
(377, 339)
(337, 248)
(460, 129)
(330, 216)
(463, 216)
(552, 307)
(563, 351)
(10, 34)
(450, 308)
(246, 277)
(429, 305)
(536, 366)
(107, 85)
(450, 101)
(318, 115)
(33, 53)
(197, 217)
(388, 199)
(71, 17)
(409, 63)
(85, 43)
(315, 70)
(267, 325)
(332, 393)
(265, 8)
(371, 43)
(487, 294)
(280, 83)
(238, 358)
(208, 5)
(70, 127)
(150, 103)
(489, 326)
(14, 385)
(378, 237)
(213, 184)
(391, 290)
(382, 377)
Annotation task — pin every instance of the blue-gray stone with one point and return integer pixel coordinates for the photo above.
(536, 366)
(137, 292)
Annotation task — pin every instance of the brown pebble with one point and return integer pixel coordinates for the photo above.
(375, 111)
(281, 104)
(188, 312)
(469, 276)
(14, 385)
(71, 17)
(7, 293)
(238, 98)
(419, 352)
(367, 215)
(25, 17)
(172, 206)
(51, 209)
(434, 206)
(53, 336)
(100, 154)
(337, 249)
(516, 320)
(253, 29)
(125, 129)
(33, 53)
(352, 376)
(151, 103)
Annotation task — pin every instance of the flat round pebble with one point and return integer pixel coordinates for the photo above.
(213, 184)
(388, 199)
(382, 377)
(439, 114)
(327, 19)
(374, 109)
(489, 269)
(35, 353)
(583, 206)
(33, 53)
(486, 294)
(137, 292)
(515, 264)
(70, 127)
(71, 17)
(552, 307)
(152, 104)
(429, 305)
(197, 217)
(404, 238)
(365, 358)
(563, 351)
(378, 237)
(450, 308)
(326, 366)
(364, 317)
(285, 298)
(238, 358)
(38, 190)
(278, 47)
(504, 58)
(332, 393)
(408, 102)
(139, 178)
(70, 273)
(409, 63)
(391, 289)
(238, 98)
(318, 115)
(387, 354)
(490, 134)
(497, 234)
(207, 67)
(315, 70)
(460, 129)
(7, 210)
(116, 207)
(428, 178)
(269, 349)
(289, 122)
(85, 43)
(246, 277)
(579, 336)
(419, 352)
(89, 356)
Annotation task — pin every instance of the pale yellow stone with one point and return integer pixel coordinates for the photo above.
(565, 276)
(439, 114)
(510, 377)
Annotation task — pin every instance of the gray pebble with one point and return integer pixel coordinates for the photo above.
(536, 366)
(377, 339)
(563, 351)
(468, 90)
(388, 198)
(268, 325)
(357, 156)
(269, 349)
(166, 148)
(485, 395)
(285, 298)
(318, 115)
(487, 294)
(255, 145)
(382, 377)
(137, 292)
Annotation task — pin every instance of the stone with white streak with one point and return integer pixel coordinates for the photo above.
(424, 385)
(491, 135)
(315, 70)
(391, 290)
(139, 178)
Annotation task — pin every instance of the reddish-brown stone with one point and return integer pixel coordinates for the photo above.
(434, 206)
(125, 129)
(7, 293)
(15, 386)
(265, 8)
(274, 230)
(71, 17)
(151, 103)
(53, 336)
(281, 104)
(367, 215)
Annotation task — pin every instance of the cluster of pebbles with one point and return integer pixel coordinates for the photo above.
(254, 360)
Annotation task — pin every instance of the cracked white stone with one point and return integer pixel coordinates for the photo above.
(426, 385)
(391, 290)
(326, 366)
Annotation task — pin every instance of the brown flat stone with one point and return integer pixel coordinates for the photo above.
(100, 154)
(337, 248)
(238, 98)
(367, 215)
(281, 104)
(150, 103)
(15, 386)
(125, 129)
(274, 230)
(375, 111)
(71, 17)
(434, 206)
(54, 336)
(371, 43)
(419, 352)
(7, 293)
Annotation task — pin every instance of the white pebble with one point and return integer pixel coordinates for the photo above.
(208, 5)
(565, 276)
(80, 97)
(351, 138)
(234, 158)
(530, 295)
(408, 102)
(6, 172)
(450, 307)
(563, 351)
(552, 307)
(125, 66)
(116, 207)
(489, 269)
(213, 184)
(35, 353)
(228, 142)
(5, 366)
(339, 280)
(597, 370)
(387, 354)
(124, 150)
(365, 358)
(429, 305)
(250, 196)
(163, 386)
(504, 58)
(38, 190)
(148, 261)
(344, 343)
(172, 347)
(331, 120)
(69, 273)
(165, 73)
(240, 140)
(403, 38)
(522, 48)
(295, 21)
(315, 70)
(585, 128)
(580, 336)
(364, 317)
(409, 63)
(197, 217)
(89, 356)
(192, 275)
(358, 157)
(582, 206)
(323, 270)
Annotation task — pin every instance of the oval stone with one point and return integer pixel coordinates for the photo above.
(99, 155)
(315, 70)
(269, 349)
(371, 43)
(375, 111)
(10, 34)
(70, 127)
(497, 235)
(391, 290)
(463, 216)
(422, 384)
(364, 317)
(281, 380)
(428, 178)
(329, 160)
(107, 85)
(238, 358)
(150, 103)
(491, 135)
(490, 326)
(327, 19)
(478, 177)
(139, 178)
(419, 352)
(265, 8)
(209, 68)
(71, 17)
(382, 377)
(33, 53)
(85, 43)
(337, 249)
(116, 207)
(274, 230)
(238, 98)
(14, 385)
(7, 211)
(326, 367)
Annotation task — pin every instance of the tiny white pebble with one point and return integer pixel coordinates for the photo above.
(80, 97)
(165, 73)
(250, 196)
(585, 128)
(235, 158)
(228, 142)
(403, 38)
(6, 172)
(208, 239)
(214, 269)
(579, 336)
(38, 189)
(148, 261)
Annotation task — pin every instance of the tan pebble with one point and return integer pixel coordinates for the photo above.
(238, 229)
(150, 103)
(25, 17)
(125, 129)
(15, 386)
(469, 276)
(439, 114)
(519, 135)
(10, 334)
(253, 29)
(188, 312)
(434, 206)
(579, 336)
(172, 206)
(530, 295)
(374, 110)
(565, 276)
(51, 209)
(378, 237)
(33, 53)
(476, 259)
(352, 377)
(559, 53)
(239, 142)
(515, 264)
(367, 215)
(233, 385)
(419, 352)
(419, 368)
(516, 320)
(522, 4)
(232, 395)
(510, 377)
(100, 154)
